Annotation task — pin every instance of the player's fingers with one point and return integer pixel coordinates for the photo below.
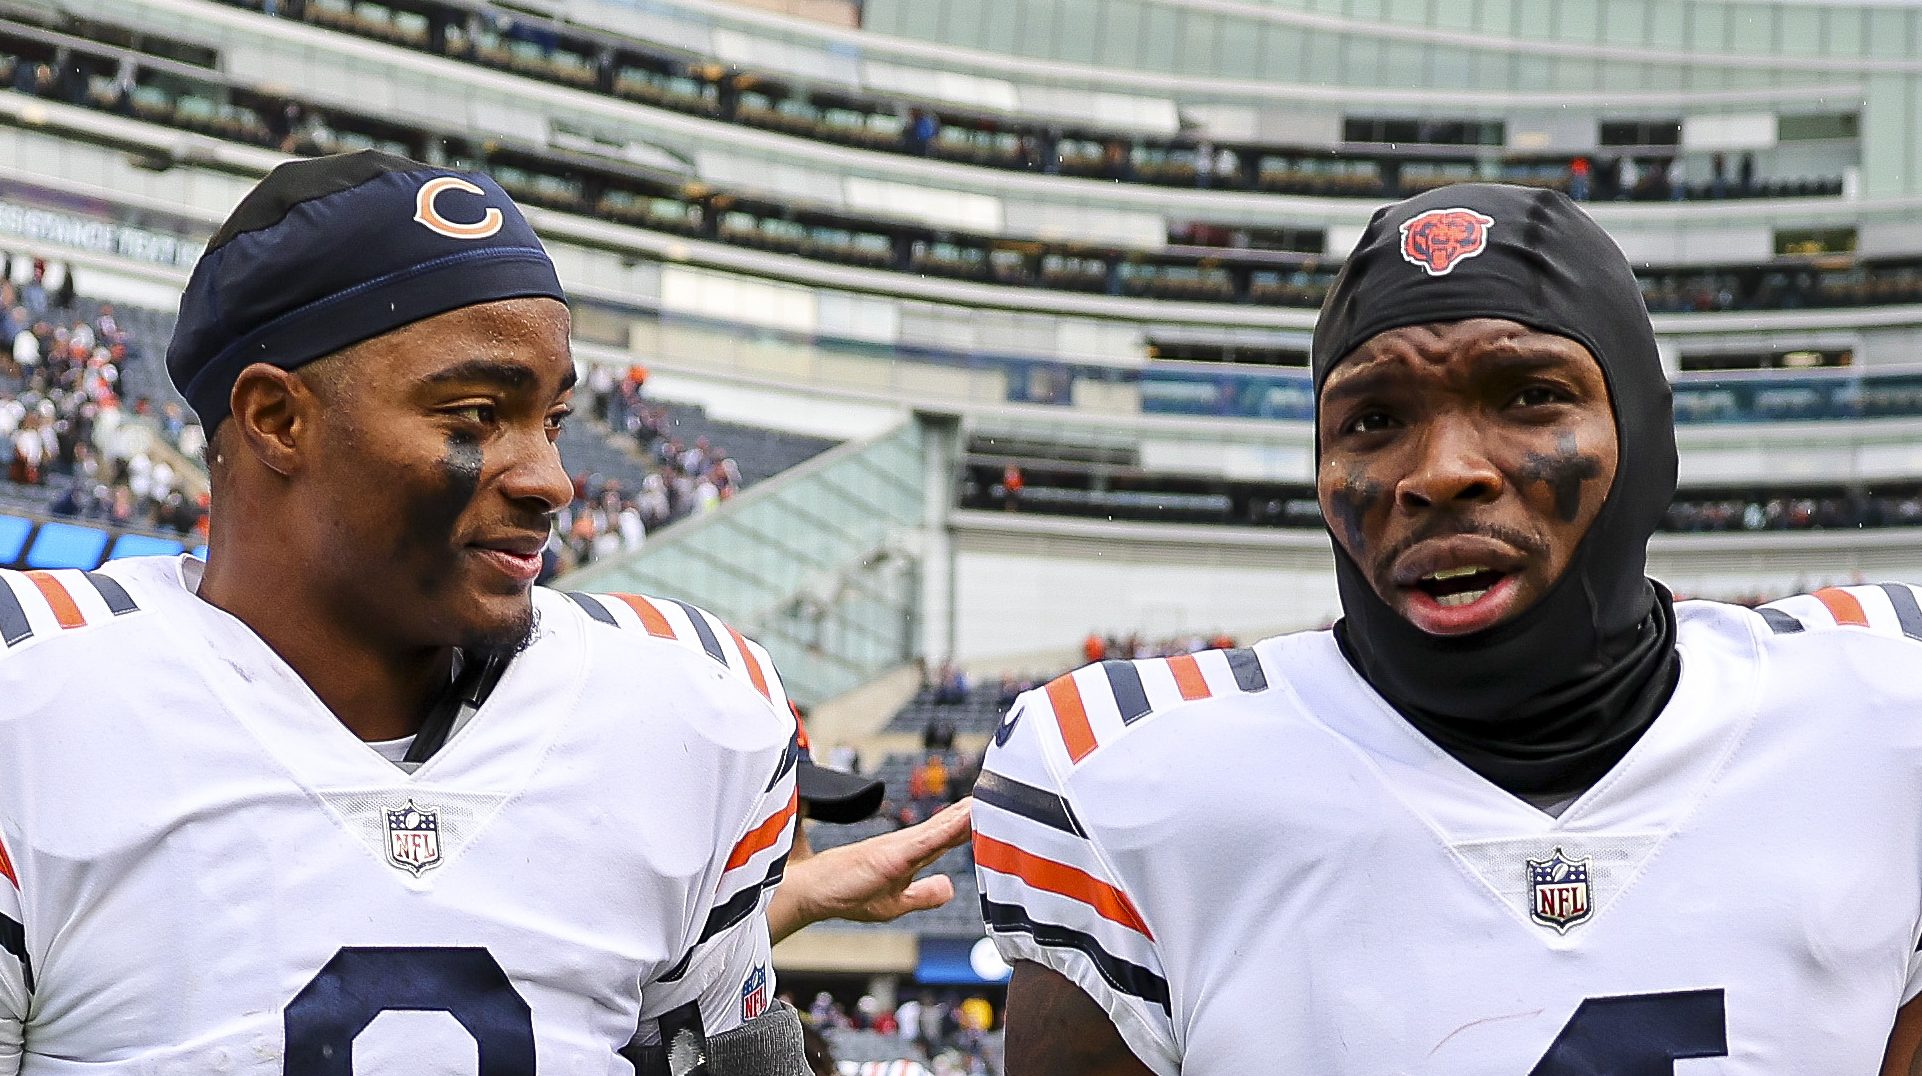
(932, 839)
(928, 893)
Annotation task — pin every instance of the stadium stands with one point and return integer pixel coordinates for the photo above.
(1199, 263)
(1377, 159)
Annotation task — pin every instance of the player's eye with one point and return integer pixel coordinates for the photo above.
(1372, 421)
(480, 414)
(1539, 396)
(557, 419)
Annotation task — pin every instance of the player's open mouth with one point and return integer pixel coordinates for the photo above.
(1455, 601)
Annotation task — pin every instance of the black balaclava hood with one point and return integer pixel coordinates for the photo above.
(1546, 703)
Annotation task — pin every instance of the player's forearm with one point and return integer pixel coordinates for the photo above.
(789, 911)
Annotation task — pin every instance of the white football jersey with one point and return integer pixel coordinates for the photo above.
(205, 872)
(1254, 865)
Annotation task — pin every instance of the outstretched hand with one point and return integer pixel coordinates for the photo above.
(871, 881)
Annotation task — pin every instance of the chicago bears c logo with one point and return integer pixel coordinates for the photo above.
(429, 216)
(1440, 238)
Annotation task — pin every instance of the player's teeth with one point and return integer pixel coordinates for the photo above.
(1463, 598)
(1455, 573)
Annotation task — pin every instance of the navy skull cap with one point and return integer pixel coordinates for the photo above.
(327, 252)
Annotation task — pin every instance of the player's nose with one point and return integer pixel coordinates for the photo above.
(1452, 465)
(535, 474)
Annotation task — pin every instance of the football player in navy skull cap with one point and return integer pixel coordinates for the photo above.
(352, 795)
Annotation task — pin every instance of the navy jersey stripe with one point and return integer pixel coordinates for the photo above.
(1129, 696)
(1031, 803)
(788, 759)
(1779, 622)
(593, 608)
(1127, 977)
(742, 904)
(13, 617)
(737, 909)
(119, 602)
(1247, 669)
(13, 939)
(1907, 612)
(709, 642)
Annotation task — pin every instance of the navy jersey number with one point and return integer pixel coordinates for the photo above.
(1638, 1035)
(359, 984)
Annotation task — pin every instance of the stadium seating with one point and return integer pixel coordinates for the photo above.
(1231, 265)
(585, 58)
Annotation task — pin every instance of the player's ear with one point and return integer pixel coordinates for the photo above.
(273, 413)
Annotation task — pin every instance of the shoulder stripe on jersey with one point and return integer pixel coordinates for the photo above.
(1843, 606)
(651, 618)
(1031, 803)
(788, 758)
(1907, 612)
(593, 608)
(1123, 975)
(119, 602)
(1065, 696)
(65, 612)
(6, 867)
(1072, 882)
(764, 836)
(1129, 696)
(738, 908)
(1188, 677)
(1779, 622)
(1247, 669)
(754, 672)
(709, 642)
(13, 939)
(13, 616)
(742, 904)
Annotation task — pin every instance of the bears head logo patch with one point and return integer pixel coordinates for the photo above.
(1440, 239)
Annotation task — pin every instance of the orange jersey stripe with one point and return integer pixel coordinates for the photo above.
(1065, 697)
(6, 867)
(1188, 677)
(1843, 606)
(753, 667)
(765, 835)
(1040, 873)
(65, 612)
(651, 618)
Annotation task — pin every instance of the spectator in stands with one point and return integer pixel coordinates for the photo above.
(921, 130)
(1578, 179)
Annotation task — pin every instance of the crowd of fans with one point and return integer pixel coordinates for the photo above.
(1792, 513)
(947, 1030)
(68, 431)
(681, 478)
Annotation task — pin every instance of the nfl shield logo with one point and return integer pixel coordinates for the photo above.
(413, 837)
(1558, 891)
(754, 993)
